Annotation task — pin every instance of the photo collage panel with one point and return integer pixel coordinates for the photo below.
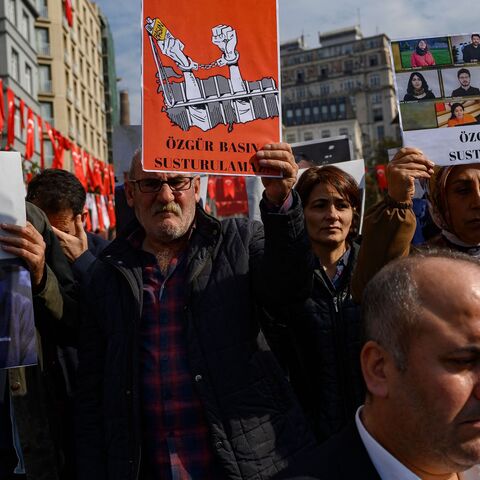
(438, 81)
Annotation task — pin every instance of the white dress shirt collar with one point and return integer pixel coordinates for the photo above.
(387, 466)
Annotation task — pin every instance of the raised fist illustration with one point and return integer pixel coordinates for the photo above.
(225, 38)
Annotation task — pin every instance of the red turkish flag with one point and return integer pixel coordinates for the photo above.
(90, 179)
(22, 115)
(30, 146)
(40, 138)
(68, 11)
(11, 119)
(98, 203)
(97, 174)
(111, 211)
(381, 176)
(106, 179)
(112, 179)
(2, 106)
(78, 166)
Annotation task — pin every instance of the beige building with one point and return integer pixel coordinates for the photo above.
(343, 87)
(71, 90)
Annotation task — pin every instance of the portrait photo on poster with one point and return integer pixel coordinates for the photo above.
(17, 324)
(423, 53)
(465, 48)
(461, 82)
(419, 86)
(458, 113)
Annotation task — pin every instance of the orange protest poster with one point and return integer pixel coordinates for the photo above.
(210, 85)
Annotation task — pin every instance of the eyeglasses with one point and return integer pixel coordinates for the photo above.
(152, 185)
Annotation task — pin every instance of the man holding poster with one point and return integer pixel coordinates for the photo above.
(175, 379)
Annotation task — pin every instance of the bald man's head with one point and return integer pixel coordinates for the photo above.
(395, 297)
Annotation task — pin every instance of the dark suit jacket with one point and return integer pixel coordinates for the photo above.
(344, 457)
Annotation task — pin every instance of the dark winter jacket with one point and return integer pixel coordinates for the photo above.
(320, 349)
(38, 393)
(257, 428)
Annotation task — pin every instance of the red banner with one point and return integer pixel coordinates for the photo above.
(381, 176)
(2, 106)
(78, 166)
(30, 146)
(40, 139)
(11, 119)
(68, 11)
(22, 115)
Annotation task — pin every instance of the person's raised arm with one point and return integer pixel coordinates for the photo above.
(389, 226)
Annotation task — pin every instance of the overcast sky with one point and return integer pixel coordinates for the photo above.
(396, 18)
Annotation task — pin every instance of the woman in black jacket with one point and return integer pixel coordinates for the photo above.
(323, 332)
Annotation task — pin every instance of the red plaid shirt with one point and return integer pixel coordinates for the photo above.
(176, 438)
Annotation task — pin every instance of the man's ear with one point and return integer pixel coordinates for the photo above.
(84, 215)
(376, 363)
(129, 193)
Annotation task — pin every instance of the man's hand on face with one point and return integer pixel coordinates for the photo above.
(279, 157)
(73, 245)
(28, 244)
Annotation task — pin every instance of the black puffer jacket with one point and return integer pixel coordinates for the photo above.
(257, 428)
(320, 347)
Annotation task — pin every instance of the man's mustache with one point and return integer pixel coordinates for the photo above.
(170, 207)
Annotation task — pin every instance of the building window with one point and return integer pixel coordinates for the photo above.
(377, 114)
(376, 98)
(341, 110)
(324, 112)
(300, 76)
(291, 138)
(324, 89)
(45, 78)
(380, 132)
(343, 131)
(373, 60)
(46, 110)
(43, 41)
(326, 133)
(301, 92)
(307, 136)
(333, 111)
(375, 80)
(289, 113)
(306, 112)
(14, 65)
(28, 79)
(25, 26)
(348, 66)
(42, 8)
(12, 11)
(348, 85)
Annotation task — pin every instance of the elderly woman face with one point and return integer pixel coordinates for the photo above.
(422, 44)
(463, 202)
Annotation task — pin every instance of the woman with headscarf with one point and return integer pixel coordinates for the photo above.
(459, 117)
(421, 56)
(417, 88)
(323, 332)
(453, 195)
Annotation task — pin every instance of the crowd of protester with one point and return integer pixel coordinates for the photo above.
(190, 348)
